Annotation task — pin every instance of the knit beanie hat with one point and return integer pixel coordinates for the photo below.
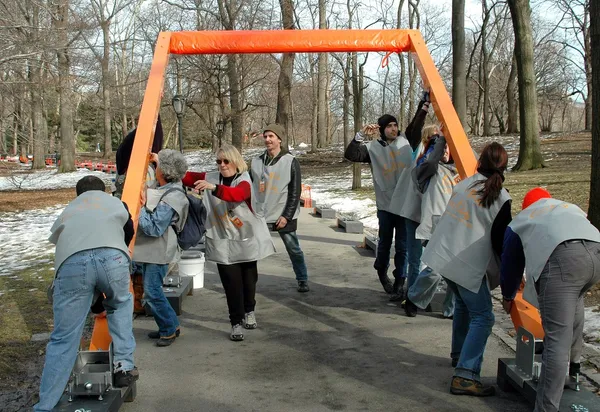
(383, 121)
(277, 129)
(534, 195)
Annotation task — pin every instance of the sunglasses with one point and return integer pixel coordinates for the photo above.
(219, 161)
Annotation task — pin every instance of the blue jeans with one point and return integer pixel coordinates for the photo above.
(414, 248)
(154, 296)
(388, 224)
(471, 327)
(292, 245)
(423, 289)
(102, 269)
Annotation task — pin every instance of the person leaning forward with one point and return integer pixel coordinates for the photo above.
(277, 182)
(388, 156)
(91, 237)
(560, 250)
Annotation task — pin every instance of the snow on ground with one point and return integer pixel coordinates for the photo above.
(48, 179)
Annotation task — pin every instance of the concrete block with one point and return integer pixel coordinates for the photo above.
(325, 212)
(350, 226)
(371, 243)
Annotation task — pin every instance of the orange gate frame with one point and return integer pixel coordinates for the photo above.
(280, 41)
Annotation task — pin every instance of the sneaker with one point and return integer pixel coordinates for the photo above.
(166, 340)
(126, 378)
(303, 286)
(410, 308)
(461, 386)
(250, 320)
(156, 335)
(236, 333)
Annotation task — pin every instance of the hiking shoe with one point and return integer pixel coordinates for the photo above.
(236, 333)
(166, 340)
(156, 335)
(410, 308)
(126, 378)
(461, 386)
(303, 286)
(250, 320)
(385, 282)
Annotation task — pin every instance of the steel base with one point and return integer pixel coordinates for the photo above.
(176, 294)
(528, 389)
(111, 401)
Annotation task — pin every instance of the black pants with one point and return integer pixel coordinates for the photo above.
(239, 281)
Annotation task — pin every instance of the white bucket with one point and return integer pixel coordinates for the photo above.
(193, 267)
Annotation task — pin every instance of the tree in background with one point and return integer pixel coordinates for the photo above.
(459, 74)
(284, 83)
(530, 155)
(594, 209)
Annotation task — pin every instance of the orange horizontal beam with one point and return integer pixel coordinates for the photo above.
(289, 41)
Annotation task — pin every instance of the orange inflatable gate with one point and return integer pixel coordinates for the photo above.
(284, 41)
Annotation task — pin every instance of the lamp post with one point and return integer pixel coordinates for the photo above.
(179, 107)
(220, 129)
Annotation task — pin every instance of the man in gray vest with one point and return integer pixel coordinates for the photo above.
(560, 251)
(277, 185)
(388, 156)
(91, 237)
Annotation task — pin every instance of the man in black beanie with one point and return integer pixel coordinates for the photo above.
(388, 156)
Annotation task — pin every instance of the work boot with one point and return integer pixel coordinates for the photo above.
(398, 291)
(572, 380)
(126, 378)
(454, 362)
(156, 335)
(462, 386)
(250, 320)
(385, 281)
(237, 333)
(166, 340)
(303, 286)
(410, 308)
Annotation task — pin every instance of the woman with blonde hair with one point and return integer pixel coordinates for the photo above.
(236, 238)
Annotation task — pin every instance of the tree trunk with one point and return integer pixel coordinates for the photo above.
(106, 89)
(594, 208)
(459, 77)
(67, 147)
(487, 124)
(234, 101)
(512, 103)
(346, 104)
(530, 155)
(315, 108)
(322, 81)
(284, 83)
(588, 72)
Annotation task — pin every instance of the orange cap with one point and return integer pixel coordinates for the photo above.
(534, 195)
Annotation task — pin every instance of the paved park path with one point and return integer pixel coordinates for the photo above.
(340, 347)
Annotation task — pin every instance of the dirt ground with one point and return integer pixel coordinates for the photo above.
(566, 176)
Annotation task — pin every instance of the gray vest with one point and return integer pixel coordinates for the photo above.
(406, 200)
(435, 199)
(387, 163)
(546, 224)
(94, 219)
(275, 180)
(460, 248)
(164, 249)
(234, 234)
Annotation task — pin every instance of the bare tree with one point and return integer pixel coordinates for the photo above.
(284, 83)
(511, 97)
(530, 155)
(459, 77)
(323, 104)
(594, 208)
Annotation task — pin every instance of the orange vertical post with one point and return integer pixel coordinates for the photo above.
(461, 150)
(138, 165)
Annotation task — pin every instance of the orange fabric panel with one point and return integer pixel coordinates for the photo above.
(288, 41)
(461, 150)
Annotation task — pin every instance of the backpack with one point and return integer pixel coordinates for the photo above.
(193, 229)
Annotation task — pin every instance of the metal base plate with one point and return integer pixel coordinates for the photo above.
(175, 295)
(529, 389)
(112, 400)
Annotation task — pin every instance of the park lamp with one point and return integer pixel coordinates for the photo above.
(179, 105)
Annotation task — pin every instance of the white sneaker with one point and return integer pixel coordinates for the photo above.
(237, 333)
(250, 320)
